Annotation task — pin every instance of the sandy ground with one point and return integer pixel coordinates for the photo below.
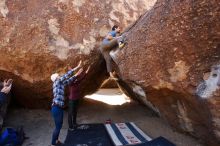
(38, 124)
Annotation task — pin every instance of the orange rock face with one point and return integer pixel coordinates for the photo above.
(40, 37)
(171, 63)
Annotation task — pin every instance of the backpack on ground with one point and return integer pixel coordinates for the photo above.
(20, 135)
(12, 137)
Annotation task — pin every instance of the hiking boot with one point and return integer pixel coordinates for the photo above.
(113, 76)
(121, 39)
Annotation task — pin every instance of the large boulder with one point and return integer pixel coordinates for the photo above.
(40, 37)
(171, 63)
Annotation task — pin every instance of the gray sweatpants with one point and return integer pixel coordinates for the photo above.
(105, 50)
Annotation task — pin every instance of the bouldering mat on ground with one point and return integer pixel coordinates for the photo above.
(88, 135)
(97, 135)
(160, 141)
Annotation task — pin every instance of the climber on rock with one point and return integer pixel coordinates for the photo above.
(59, 83)
(111, 42)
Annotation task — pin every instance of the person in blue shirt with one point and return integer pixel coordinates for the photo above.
(112, 34)
(111, 41)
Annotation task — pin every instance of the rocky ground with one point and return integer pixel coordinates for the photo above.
(38, 124)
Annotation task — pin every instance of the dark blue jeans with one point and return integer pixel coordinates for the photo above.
(57, 114)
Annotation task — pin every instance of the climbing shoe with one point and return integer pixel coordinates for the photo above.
(121, 45)
(113, 76)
